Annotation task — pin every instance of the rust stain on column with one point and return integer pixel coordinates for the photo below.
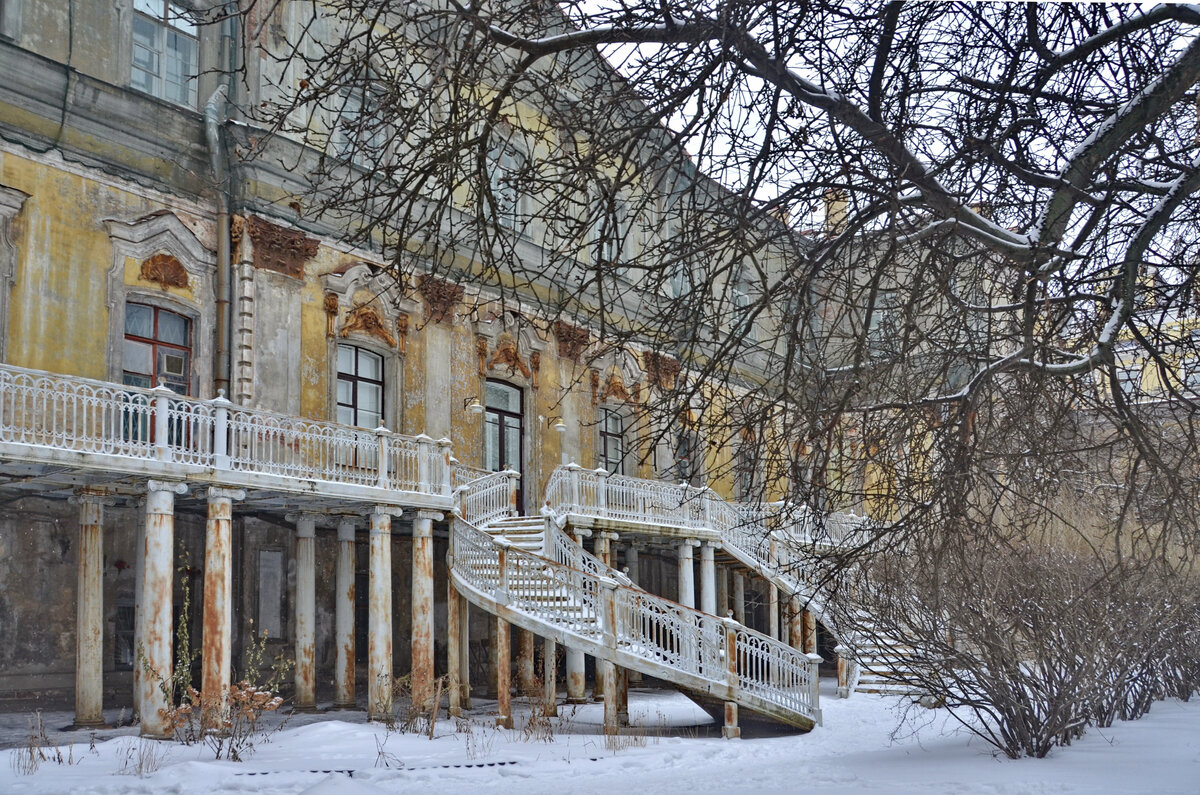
(731, 731)
(464, 650)
(796, 624)
(453, 636)
(218, 580)
(379, 619)
(305, 698)
(607, 674)
(155, 642)
(422, 607)
(344, 631)
(810, 632)
(89, 651)
(503, 683)
(525, 672)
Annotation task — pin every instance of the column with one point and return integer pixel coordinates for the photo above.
(796, 613)
(633, 564)
(343, 673)
(602, 549)
(687, 576)
(739, 598)
(379, 615)
(89, 612)
(157, 591)
(503, 674)
(525, 665)
(611, 716)
(810, 632)
(773, 591)
(454, 621)
(773, 611)
(422, 607)
(217, 636)
(708, 580)
(464, 650)
(576, 673)
(138, 613)
(306, 611)
(723, 609)
(550, 677)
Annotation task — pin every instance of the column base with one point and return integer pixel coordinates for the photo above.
(89, 724)
(731, 732)
(344, 705)
(504, 722)
(577, 701)
(304, 708)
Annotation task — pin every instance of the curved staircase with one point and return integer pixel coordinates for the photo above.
(525, 571)
(746, 534)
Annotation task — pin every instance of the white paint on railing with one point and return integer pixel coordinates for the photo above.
(57, 412)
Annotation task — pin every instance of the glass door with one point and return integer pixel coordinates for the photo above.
(504, 432)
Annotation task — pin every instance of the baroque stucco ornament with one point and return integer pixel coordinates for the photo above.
(440, 297)
(507, 355)
(365, 320)
(165, 270)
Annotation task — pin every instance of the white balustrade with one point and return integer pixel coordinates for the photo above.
(632, 622)
(44, 411)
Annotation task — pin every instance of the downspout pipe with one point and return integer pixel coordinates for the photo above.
(215, 114)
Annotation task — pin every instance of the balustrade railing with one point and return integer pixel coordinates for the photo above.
(44, 410)
(636, 623)
(486, 499)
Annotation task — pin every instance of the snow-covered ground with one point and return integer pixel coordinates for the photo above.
(857, 750)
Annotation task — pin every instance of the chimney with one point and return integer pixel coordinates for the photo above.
(836, 210)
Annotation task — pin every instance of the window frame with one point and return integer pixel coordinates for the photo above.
(604, 459)
(164, 26)
(355, 380)
(501, 414)
(156, 343)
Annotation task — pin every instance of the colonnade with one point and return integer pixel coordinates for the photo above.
(154, 607)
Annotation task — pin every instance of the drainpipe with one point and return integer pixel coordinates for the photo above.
(214, 117)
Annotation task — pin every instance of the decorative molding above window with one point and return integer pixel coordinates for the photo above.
(183, 271)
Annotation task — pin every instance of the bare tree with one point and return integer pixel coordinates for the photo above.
(940, 256)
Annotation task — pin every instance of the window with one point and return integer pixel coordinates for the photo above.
(359, 387)
(358, 132)
(503, 429)
(158, 348)
(505, 165)
(165, 51)
(612, 441)
(687, 456)
(745, 467)
(883, 326)
(123, 640)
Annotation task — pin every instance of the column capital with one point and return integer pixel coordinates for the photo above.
(219, 492)
(92, 496)
(316, 517)
(686, 543)
(306, 523)
(166, 485)
(382, 510)
(424, 513)
(346, 528)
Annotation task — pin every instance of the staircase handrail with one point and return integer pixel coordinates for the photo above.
(488, 498)
(637, 626)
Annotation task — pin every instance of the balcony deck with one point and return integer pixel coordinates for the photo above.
(60, 433)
